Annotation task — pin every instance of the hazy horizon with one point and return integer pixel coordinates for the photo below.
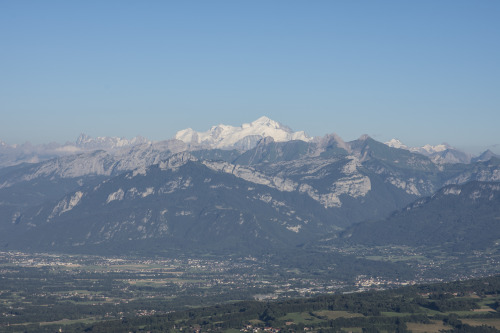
(470, 150)
(424, 73)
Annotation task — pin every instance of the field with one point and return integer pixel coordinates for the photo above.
(434, 327)
(494, 322)
(330, 315)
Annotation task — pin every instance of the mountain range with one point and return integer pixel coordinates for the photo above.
(246, 189)
(225, 137)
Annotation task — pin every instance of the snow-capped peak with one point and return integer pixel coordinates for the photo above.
(429, 149)
(265, 121)
(426, 150)
(245, 136)
(86, 142)
(395, 143)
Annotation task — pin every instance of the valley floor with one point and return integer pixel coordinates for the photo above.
(42, 290)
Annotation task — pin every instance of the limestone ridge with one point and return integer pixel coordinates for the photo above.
(458, 217)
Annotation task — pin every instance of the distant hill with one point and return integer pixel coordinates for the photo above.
(457, 216)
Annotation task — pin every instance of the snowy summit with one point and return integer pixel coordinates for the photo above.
(243, 137)
(395, 143)
(425, 150)
(88, 143)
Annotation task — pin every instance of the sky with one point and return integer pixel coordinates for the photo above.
(420, 71)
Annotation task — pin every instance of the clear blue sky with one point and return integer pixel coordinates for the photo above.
(420, 71)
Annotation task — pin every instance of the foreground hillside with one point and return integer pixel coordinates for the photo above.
(467, 306)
